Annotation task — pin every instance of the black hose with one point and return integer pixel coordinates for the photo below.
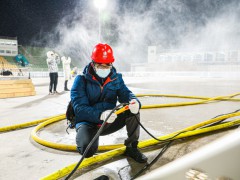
(93, 140)
(148, 165)
(166, 146)
(216, 123)
(168, 139)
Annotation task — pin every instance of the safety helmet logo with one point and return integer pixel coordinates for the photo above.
(105, 55)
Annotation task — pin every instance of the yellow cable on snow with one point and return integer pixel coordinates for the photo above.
(110, 154)
(189, 131)
(67, 147)
(190, 103)
(28, 124)
(182, 96)
(205, 99)
(64, 146)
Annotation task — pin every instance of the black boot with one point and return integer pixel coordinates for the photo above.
(133, 152)
(103, 177)
(65, 86)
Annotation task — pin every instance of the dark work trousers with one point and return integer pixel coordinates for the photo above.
(86, 132)
(53, 81)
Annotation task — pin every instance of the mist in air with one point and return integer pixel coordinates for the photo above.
(131, 26)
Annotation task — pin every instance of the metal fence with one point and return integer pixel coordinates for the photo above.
(15, 72)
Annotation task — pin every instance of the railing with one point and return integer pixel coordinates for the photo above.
(39, 74)
(182, 74)
(15, 72)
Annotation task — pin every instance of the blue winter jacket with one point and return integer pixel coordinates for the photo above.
(90, 98)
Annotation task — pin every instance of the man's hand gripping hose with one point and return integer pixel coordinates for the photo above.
(134, 106)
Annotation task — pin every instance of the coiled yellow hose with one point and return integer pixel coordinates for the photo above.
(118, 149)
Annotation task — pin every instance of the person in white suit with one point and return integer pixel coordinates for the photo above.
(66, 61)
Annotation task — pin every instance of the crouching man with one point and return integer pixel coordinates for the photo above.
(94, 94)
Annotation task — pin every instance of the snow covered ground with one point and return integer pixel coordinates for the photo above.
(22, 158)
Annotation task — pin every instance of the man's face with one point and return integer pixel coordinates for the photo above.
(103, 66)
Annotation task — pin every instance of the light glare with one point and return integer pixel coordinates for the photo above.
(100, 4)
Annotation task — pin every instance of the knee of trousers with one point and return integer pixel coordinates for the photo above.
(82, 145)
(90, 152)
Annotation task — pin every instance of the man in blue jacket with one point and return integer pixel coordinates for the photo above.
(94, 94)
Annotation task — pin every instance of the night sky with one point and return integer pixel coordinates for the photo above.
(34, 21)
(31, 19)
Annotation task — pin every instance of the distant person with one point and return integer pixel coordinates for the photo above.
(20, 73)
(94, 94)
(66, 61)
(74, 72)
(52, 61)
(23, 63)
(19, 59)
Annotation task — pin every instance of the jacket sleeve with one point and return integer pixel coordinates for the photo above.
(124, 94)
(80, 102)
(49, 61)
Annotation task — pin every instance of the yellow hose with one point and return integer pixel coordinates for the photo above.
(190, 103)
(181, 96)
(27, 124)
(205, 99)
(119, 148)
(110, 154)
(189, 131)
(67, 147)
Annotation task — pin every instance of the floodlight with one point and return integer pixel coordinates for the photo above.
(100, 4)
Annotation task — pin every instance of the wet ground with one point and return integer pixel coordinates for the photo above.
(22, 158)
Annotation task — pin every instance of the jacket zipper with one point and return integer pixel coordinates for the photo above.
(101, 87)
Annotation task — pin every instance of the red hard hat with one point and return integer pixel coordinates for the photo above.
(102, 53)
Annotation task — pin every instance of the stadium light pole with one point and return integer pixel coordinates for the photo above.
(100, 5)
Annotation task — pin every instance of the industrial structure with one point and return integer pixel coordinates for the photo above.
(189, 60)
(8, 46)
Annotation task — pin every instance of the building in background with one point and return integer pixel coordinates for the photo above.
(160, 60)
(8, 46)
